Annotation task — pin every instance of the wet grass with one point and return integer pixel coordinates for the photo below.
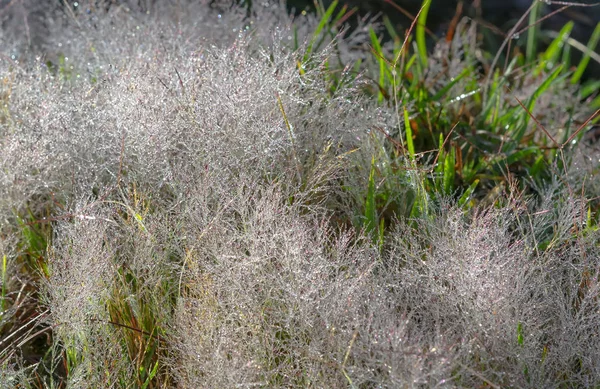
(293, 204)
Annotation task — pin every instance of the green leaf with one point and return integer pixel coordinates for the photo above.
(532, 32)
(4, 283)
(322, 23)
(449, 172)
(468, 193)
(589, 88)
(449, 85)
(552, 53)
(439, 168)
(409, 135)
(380, 235)
(522, 154)
(543, 88)
(370, 206)
(390, 28)
(381, 60)
(420, 32)
(150, 376)
(591, 47)
(520, 338)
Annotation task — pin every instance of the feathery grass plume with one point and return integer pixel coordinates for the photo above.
(268, 299)
(180, 184)
(153, 125)
(582, 174)
(501, 292)
(141, 101)
(111, 293)
(81, 269)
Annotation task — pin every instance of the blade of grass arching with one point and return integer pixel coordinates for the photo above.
(552, 53)
(595, 104)
(532, 32)
(447, 87)
(466, 197)
(322, 23)
(589, 88)
(541, 90)
(522, 154)
(370, 206)
(593, 42)
(338, 19)
(409, 137)
(390, 28)
(150, 376)
(500, 50)
(343, 15)
(420, 32)
(381, 60)
(409, 64)
(518, 135)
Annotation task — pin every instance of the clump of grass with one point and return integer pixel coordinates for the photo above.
(204, 196)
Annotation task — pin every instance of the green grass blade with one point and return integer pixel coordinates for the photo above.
(370, 206)
(381, 60)
(322, 23)
(593, 42)
(466, 197)
(390, 28)
(380, 234)
(595, 104)
(420, 32)
(492, 107)
(448, 86)
(538, 92)
(520, 336)
(449, 172)
(552, 53)
(589, 88)
(439, 168)
(4, 283)
(409, 136)
(150, 375)
(532, 32)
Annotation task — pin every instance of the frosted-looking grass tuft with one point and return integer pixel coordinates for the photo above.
(183, 191)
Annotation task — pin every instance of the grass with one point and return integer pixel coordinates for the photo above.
(194, 197)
